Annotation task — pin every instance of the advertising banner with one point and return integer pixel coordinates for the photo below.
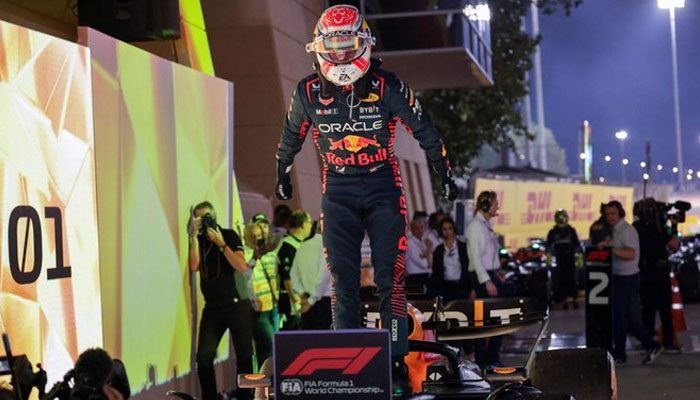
(49, 271)
(527, 207)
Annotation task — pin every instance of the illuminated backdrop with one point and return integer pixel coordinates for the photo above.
(163, 135)
(49, 277)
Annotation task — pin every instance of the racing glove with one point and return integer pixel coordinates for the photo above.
(449, 187)
(283, 187)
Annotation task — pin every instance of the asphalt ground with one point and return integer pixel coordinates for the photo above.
(673, 375)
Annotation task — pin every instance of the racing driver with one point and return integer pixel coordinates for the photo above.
(351, 107)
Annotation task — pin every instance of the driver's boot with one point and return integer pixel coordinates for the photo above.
(401, 388)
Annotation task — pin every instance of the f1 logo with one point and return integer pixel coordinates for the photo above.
(350, 359)
(598, 255)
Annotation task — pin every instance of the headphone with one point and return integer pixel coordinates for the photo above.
(618, 205)
(484, 200)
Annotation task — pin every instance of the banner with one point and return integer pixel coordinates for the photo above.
(527, 207)
(163, 140)
(336, 365)
(49, 273)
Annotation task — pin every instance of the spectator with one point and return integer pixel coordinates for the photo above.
(312, 282)
(420, 215)
(418, 256)
(433, 228)
(289, 303)
(263, 291)
(600, 229)
(482, 249)
(562, 242)
(625, 287)
(280, 221)
(451, 278)
(271, 241)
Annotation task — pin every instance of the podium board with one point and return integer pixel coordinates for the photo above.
(343, 364)
(599, 328)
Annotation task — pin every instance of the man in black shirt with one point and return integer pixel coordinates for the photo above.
(600, 229)
(300, 224)
(655, 273)
(217, 254)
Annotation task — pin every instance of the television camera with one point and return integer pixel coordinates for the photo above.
(659, 213)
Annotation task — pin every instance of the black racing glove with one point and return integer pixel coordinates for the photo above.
(283, 187)
(449, 187)
(449, 190)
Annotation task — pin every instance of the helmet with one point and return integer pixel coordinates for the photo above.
(342, 43)
(561, 217)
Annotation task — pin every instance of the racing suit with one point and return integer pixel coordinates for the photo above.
(563, 243)
(362, 187)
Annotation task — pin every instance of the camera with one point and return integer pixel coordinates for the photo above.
(208, 221)
(93, 369)
(658, 213)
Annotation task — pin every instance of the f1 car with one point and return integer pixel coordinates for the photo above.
(437, 369)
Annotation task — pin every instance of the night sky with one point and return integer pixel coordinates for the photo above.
(610, 63)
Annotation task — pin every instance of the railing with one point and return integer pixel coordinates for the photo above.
(400, 29)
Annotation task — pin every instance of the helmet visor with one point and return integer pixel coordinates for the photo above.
(340, 47)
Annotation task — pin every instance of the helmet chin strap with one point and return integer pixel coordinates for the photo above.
(327, 87)
(360, 88)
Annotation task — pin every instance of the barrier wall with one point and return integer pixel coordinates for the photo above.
(49, 276)
(527, 207)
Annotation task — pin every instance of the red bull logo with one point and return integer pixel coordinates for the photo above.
(353, 143)
(361, 159)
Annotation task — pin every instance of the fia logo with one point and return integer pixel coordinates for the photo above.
(291, 387)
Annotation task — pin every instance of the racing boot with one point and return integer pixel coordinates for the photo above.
(401, 388)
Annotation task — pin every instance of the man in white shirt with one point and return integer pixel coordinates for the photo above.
(312, 282)
(625, 286)
(482, 249)
(418, 256)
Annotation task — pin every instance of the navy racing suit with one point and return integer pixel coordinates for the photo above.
(362, 186)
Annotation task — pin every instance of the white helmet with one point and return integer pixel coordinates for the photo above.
(343, 43)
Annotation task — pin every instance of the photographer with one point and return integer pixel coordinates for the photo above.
(654, 269)
(217, 253)
(263, 291)
(96, 376)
